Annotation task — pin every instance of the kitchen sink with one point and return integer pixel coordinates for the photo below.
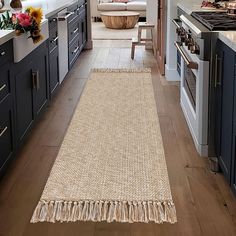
(23, 45)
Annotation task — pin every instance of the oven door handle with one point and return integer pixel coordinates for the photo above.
(176, 23)
(190, 64)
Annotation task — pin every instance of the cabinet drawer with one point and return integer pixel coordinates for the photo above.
(53, 40)
(53, 71)
(6, 135)
(73, 29)
(81, 2)
(4, 82)
(82, 9)
(72, 9)
(6, 52)
(74, 50)
(52, 22)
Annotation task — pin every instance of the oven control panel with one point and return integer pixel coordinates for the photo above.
(188, 40)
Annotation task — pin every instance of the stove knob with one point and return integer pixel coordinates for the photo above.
(182, 37)
(190, 43)
(188, 38)
(194, 49)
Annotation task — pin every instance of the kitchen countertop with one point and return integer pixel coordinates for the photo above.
(228, 37)
(189, 6)
(6, 35)
(49, 8)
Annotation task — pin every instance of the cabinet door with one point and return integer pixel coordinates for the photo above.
(40, 80)
(53, 71)
(82, 25)
(6, 131)
(24, 100)
(226, 86)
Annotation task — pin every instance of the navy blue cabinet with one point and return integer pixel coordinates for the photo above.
(77, 30)
(31, 89)
(225, 110)
(26, 86)
(53, 55)
(7, 127)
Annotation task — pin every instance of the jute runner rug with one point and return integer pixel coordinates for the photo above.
(111, 165)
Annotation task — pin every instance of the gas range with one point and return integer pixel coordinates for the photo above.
(216, 21)
(196, 43)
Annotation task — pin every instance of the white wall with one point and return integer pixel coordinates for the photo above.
(171, 65)
(151, 14)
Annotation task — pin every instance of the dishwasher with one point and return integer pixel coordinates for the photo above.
(63, 43)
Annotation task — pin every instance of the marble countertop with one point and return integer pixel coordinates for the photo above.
(229, 38)
(6, 35)
(49, 8)
(189, 6)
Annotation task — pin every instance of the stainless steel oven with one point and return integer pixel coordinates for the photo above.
(194, 72)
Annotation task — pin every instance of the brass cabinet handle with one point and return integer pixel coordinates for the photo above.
(3, 53)
(190, 64)
(54, 40)
(218, 64)
(66, 16)
(75, 30)
(3, 87)
(76, 50)
(2, 131)
(35, 79)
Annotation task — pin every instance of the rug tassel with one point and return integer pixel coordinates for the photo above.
(131, 212)
(140, 212)
(97, 211)
(151, 211)
(145, 210)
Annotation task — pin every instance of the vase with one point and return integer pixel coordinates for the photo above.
(16, 5)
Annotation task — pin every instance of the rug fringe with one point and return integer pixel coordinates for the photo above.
(97, 211)
(126, 70)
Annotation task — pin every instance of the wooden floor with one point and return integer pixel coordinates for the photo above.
(204, 202)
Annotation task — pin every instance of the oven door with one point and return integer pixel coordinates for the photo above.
(178, 25)
(194, 96)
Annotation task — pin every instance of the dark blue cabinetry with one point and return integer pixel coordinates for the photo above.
(53, 55)
(31, 89)
(7, 125)
(27, 86)
(225, 84)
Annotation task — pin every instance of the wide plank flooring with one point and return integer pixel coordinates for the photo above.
(205, 205)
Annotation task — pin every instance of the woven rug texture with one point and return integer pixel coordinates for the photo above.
(111, 165)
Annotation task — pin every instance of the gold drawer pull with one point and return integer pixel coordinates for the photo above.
(3, 87)
(76, 50)
(75, 31)
(2, 131)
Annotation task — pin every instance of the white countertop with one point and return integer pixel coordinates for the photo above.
(50, 7)
(229, 38)
(6, 35)
(189, 6)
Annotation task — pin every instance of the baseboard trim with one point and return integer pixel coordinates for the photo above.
(171, 74)
(89, 44)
